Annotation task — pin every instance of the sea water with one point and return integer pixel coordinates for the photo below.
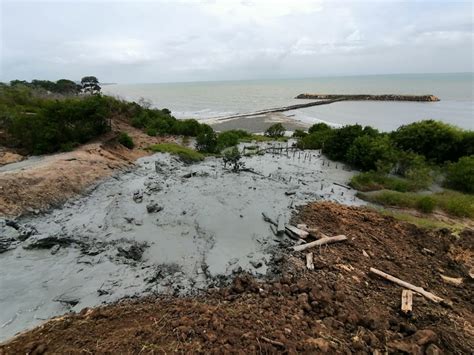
(202, 100)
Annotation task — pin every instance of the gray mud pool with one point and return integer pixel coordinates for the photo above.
(163, 227)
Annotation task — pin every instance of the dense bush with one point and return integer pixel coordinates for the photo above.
(299, 133)
(319, 133)
(318, 127)
(437, 141)
(125, 140)
(57, 123)
(206, 141)
(339, 142)
(372, 152)
(460, 175)
(276, 130)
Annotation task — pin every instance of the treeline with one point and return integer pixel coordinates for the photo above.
(411, 151)
(62, 86)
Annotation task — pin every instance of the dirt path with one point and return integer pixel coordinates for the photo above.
(337, 308)
(39, 183)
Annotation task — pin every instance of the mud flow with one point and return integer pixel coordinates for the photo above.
(164, 227)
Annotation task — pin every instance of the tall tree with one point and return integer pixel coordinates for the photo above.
(90, 84)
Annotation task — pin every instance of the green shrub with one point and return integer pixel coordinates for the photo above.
(315, 140)
(460, 175)
(372, 181)
(151, 131)
(227, 139)
(125, 140)
(206, 141)
(318, 127)
(437, 141)
(370, 152)
(276, 130)
(426, 204)
(299, 133)
(185, 154)
(339, 142)
(232, 157)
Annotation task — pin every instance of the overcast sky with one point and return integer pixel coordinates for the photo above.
(186, 40)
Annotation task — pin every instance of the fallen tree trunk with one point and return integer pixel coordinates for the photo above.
(322, 241)
(407, 285)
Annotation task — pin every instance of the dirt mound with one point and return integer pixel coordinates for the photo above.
(337, 308)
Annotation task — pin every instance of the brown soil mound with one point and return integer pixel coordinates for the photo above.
(337, 308)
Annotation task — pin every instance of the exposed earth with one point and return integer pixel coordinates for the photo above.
(336, 308)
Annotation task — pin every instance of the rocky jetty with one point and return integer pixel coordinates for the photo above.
(388, 97)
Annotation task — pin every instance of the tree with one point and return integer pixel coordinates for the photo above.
(461, 175)
(275, 131)
(68, 87)
(90, 84)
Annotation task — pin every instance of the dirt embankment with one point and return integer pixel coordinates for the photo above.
(336, 308)
(38, 184)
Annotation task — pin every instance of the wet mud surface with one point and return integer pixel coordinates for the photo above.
(162, 227)
(337, 308)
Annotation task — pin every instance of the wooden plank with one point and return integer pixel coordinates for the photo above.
(309, 261)
(322, 241)
(281, 225)
(297, 232)
(407, 301)
(407, 285)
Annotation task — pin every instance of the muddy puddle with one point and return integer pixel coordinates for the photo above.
(162, 227)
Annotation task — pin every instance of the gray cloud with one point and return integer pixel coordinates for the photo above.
(164, 40)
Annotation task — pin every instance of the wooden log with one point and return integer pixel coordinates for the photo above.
(309, 261)
(407, 285)
(407, 301)
(281, 225)
(322, 241)
(341, 185)
(273, 342)
(269, 220)
(297, 232)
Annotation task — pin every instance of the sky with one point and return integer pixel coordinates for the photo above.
(206, 40)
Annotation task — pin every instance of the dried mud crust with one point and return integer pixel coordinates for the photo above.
(337, 308)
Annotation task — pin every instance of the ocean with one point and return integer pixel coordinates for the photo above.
(202, 100)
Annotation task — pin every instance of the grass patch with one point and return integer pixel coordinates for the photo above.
(185, 154)
(372, 181)
(422, 222)
(260, 138)
(452, 202)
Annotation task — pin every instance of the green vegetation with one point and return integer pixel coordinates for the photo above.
(403, 160)
(185, 154)
(62, 86)
(232, 157)
(451, 202)
(372, 181)
(423, 222)
(275, 131)
(461, 175)
(125, 140)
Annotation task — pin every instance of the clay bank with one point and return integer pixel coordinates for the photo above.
(160, 227)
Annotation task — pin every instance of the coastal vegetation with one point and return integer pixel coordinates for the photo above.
(185, 154)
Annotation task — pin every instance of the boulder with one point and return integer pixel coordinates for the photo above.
(153, 207)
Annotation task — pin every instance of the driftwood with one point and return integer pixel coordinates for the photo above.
(269, 220)
(273, 342)
(322, 241)
(297, 232)
(274, 231)
(407, 285)
(407, 301)
(309, 261)
(281, 225)
(341, 185)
